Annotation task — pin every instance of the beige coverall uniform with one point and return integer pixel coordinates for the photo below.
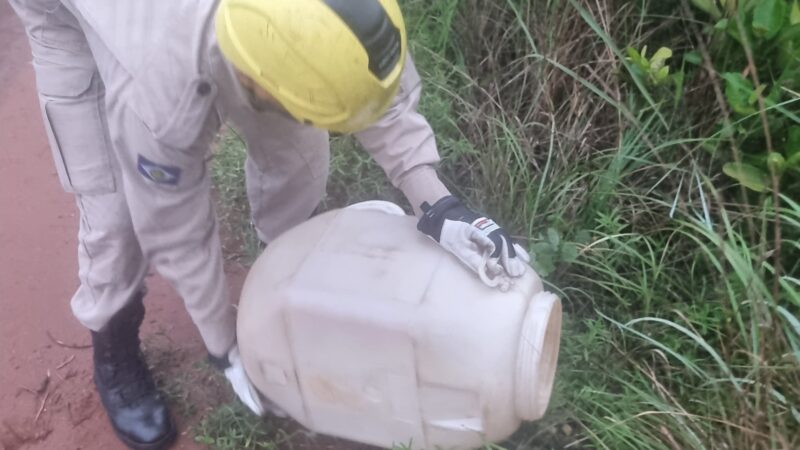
(132, 94)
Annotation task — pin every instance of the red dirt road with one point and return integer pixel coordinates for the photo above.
(38, 274)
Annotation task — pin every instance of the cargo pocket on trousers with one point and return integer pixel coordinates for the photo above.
(80, 144)
(176, 131)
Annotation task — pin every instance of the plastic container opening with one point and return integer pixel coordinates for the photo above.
(537, 356)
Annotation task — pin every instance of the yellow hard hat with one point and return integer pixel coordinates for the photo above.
(335, 64)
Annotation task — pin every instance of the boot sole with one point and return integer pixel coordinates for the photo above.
(165, 442)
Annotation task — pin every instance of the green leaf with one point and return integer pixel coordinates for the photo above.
(583, 237)
(738, 91)
(693, 57)
(638, 60)
(553, 238)
(660, 58)
(542, 247)
(733, 32)
(544, 266)
(794, 15)
(753, 98)
(788, 58)
(708, 6)
(794, 161)
(749, 176)
(661, 76)
(776, 163)
(679, 78)
(543, 258)
(726, 131)
(633, 54)
(773, 97)
(655, 68)
(768, 18)
(793, 142)
(721, 25)
(569, 252)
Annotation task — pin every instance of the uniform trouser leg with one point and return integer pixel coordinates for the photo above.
(110, 261)
(174, 224)
(111, 267)
(175, 221)
(71, 95)
(286, 173)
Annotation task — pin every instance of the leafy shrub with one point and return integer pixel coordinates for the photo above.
(755, 45)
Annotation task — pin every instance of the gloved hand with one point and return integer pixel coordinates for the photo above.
(234, 371)
(474, 239)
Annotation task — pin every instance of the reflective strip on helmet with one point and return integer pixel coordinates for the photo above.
(375, 31)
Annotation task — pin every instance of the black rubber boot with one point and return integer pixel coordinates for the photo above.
(137, 413)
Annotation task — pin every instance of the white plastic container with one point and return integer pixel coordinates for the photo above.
(359, 326)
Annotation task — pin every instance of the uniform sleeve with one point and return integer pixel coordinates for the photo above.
(403, 144)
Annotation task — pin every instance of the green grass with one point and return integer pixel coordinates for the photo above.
(233, 209)
(679, 333)
(232, 427)
(190, 385)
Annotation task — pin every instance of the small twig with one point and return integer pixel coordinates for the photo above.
(41, 408)
(43, 388)
(23, 388)
(69, 360)
(44, 384)
(64, 344)
(59, 376)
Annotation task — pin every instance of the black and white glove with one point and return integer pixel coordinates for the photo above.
(231, 365)
(474, 239)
